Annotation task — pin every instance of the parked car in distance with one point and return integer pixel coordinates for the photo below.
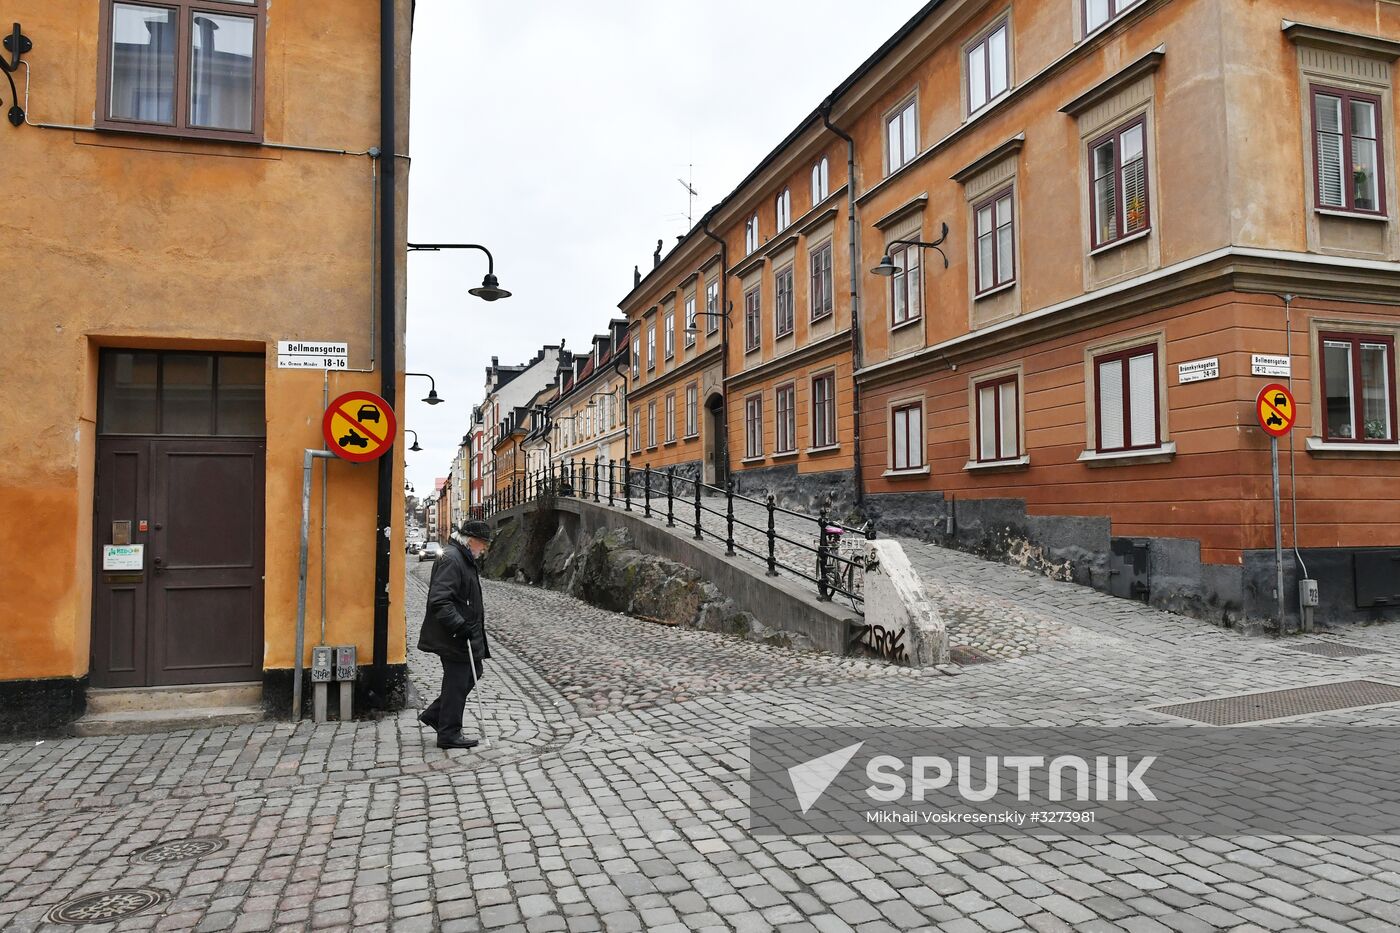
(430, 551)
(413, 546)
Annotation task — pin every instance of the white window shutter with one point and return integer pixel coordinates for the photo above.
(1110, 405)
(1142, 384)
(986, 423)
(1010, 435)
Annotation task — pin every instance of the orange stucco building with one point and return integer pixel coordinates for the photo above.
(176, 216)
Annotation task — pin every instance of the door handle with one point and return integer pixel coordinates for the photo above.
(159, 565)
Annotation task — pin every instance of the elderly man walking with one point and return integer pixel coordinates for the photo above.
(454, 629)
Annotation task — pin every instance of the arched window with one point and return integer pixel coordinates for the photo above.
(821, 182)
(782, 209)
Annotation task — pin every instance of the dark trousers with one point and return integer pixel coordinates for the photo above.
(458, 679)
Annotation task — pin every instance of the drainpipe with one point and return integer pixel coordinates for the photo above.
(388, 348)
(723, 446)
(626, 425)
(854, 262)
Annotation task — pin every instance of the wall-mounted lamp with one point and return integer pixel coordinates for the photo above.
(887, 266)
(16, 44)
(432, 398)
(692, 329)
(415, 448)
(490, 289)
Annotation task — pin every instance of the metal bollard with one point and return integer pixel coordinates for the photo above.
(772, 539)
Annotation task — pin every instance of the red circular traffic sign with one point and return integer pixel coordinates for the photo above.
(359, 427)
(1275, 409)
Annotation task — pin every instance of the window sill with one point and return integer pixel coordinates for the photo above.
(998, 466)
(784, 455)
(748, 350)
(752, 460)
(1163, 453)
(783, 335)
(669, 444)
(1005, 286)
(691, 437)
(826, 449)
(820, 317)
(903, 324)
(1121, 241)
(1352, 215)
(1342, 450)
(898, 474)
(651, 447)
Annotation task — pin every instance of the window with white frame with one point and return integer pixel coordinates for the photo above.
(988, 68)
(1358, 387)
(636, 356)
(902, 136)
(782, 210)
(906, 285)
(907, 436)
(753, 426)
(821, 182)
(753, 323)
(1126, 399)
(785, 404)
(751, 235)
(651, 423)
(996, 262)
(636, 430)
(671, 417)
(670, 325)
(690, 321)
(1347, 155)
(824, 410)
(1099, 12)
(998, 428)
(1118, 179)
(651, 345)
(782, 303)
(711, 307)
(692, 414)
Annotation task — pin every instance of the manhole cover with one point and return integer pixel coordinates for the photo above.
(1282, 704)
(181, 850)
(966, 654)
(1330, 649)
(107, 906)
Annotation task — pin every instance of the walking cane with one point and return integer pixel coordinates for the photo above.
(476, 688)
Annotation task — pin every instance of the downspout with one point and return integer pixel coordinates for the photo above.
(625, 423)
(388, 350)
(854, 262)
(722, 453)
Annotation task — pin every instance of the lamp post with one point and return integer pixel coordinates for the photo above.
(887, 266)
(415, 448)
(432, 398)
(490, 289)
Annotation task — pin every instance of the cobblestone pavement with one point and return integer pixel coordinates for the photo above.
(611, 797)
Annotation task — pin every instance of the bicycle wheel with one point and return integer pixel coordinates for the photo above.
(823, 569)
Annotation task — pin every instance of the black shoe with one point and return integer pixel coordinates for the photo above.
(430, 723)
(456, 741)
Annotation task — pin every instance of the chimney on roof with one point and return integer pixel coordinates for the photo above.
(656, 256)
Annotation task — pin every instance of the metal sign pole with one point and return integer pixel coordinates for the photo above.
(1278, 537)
(311, 455)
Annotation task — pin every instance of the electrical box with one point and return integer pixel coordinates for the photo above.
(1307, 594)
(345, 666)
(322, 664)
(1377, 575)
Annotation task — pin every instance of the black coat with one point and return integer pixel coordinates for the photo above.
(455, 611)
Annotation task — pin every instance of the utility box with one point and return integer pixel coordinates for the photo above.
(322, 664)
(1128, 569)
(346, 667)
(1307, 594)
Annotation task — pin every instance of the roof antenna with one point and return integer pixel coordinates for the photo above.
(691, 195)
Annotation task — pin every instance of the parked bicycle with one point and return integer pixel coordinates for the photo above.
(838, 563)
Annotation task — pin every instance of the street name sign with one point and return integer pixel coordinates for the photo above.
(312, 354)
(359, 427)
(1198, 370)
(1261, 364)
(1275, 409)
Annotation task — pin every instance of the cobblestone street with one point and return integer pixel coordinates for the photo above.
(612, 794)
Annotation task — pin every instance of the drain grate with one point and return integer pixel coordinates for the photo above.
(1283, 704)
(180, 850)
(1330, 649)
(106, 907)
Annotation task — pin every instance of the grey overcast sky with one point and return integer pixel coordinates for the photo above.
(554, 132)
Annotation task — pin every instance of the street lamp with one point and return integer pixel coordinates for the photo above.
(432, 398)
(692, 329)
(490, 289)
(415, 448)
(887, 266)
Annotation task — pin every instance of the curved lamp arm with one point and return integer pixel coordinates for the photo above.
(435, 247)
(936, 244)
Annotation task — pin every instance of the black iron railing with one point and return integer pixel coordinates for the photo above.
(832, 573)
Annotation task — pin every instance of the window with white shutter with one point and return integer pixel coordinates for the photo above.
(1347, 155)
(907, 437)
(998, 420)
(1118, 183)
(1127, 404)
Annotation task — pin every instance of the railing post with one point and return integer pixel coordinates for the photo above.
(611, 466)
(699, 536)
(583, 480)
(670, 494)
(729, 537)
(772, 539)
(821, 550)
(627, 484)
(646, 489)
(597, 479)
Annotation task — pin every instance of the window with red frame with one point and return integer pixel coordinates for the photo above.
(824, 410)
(996, 262)
(753, 323)
(987, 73)
(1126, 399)
(906, 285)
(782, 304)
(998, 420)
(907, 437)
(1118, 183)
(785, 401)
(1347, 155)
(1099, 12)
(820, 293)
(753, 427)
(1358, 387)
